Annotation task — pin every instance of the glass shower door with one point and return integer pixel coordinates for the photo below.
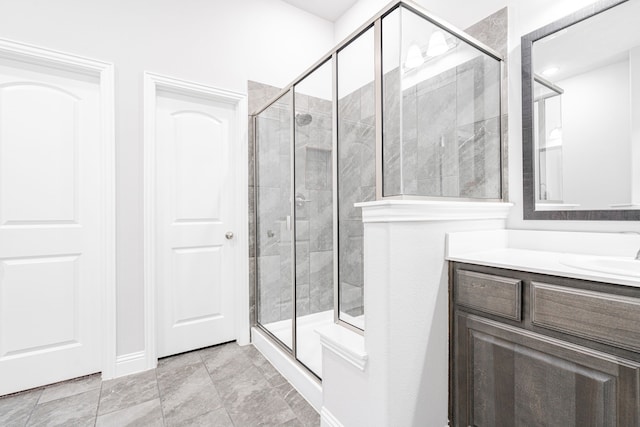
(274, 223)
(313, 125)
(356, 169)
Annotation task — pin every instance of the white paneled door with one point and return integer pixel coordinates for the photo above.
(195, 247)
(50, 230)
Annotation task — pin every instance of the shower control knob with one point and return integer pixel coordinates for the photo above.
(229, 235)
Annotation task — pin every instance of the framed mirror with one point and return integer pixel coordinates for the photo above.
(581, 115)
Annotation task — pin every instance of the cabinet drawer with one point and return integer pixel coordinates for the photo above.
(492, 294)
(602, 317)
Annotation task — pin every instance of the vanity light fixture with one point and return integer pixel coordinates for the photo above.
(414, 57)
(437, 44)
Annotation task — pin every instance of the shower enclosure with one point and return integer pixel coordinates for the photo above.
(407, 107)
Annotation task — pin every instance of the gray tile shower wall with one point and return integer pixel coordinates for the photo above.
(442, 140)
(441, 135)
(493, 31)
(356, 183)
(391, 135)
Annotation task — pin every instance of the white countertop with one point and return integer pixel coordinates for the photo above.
(544, 252)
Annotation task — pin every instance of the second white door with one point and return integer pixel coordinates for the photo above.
(195, 250)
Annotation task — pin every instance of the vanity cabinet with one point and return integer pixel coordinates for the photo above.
(536, 350)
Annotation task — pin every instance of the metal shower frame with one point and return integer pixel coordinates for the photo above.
(376, 23)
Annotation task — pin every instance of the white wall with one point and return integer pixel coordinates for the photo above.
(524, 17)
(460, 13)
(214, 42)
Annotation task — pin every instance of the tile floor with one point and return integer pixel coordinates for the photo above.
(224, 385)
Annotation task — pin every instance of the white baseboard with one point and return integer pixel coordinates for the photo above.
(327, 419)
(131, 363)
(307, 386)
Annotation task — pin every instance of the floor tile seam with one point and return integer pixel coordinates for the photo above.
(72, 381)
(100, 402)
(95, 417)
(186, 422)
(224, 404)
(209, 409)
(80, 404)
(39, 396)
(204, 362)
(252, 381)
(229, 415)
(98, 414)
(213, 383)
(288, 404)
(226, 377)
(155, 373)
(33, 408)
(236, 358)
(199, 352)
(295, 416)
(182, 377)
(220, 379)
(293, 391)
(215, 388)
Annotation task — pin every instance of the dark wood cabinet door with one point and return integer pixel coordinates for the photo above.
(506, 376)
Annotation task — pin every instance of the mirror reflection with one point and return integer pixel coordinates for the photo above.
(586, 108)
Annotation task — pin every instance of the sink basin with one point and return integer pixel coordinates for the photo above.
(611, 265)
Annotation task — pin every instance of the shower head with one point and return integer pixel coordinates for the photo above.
(303, 119)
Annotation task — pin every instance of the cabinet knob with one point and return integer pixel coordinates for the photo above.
(229, 235)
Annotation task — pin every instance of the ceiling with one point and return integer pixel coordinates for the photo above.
(330, 10)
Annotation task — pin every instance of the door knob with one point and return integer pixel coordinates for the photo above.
(229, 235)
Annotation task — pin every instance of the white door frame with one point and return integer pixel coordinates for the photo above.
(152, 83)
(104, 71)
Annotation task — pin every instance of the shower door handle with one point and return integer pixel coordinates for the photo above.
(301, 200)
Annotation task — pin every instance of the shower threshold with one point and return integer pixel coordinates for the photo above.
(309, 348)
(308, 342)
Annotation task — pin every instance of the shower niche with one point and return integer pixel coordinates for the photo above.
(405, 108)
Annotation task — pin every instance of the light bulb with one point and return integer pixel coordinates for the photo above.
(414, 57)
(437, 44)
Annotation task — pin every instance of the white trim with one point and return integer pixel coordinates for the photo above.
(431, 210)
(131, 363)
(308, 387)
(107, 98)
(243, 320)
(327, 419)
(345, 343)
(149, 88)
(30, 54)
(152, 83)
